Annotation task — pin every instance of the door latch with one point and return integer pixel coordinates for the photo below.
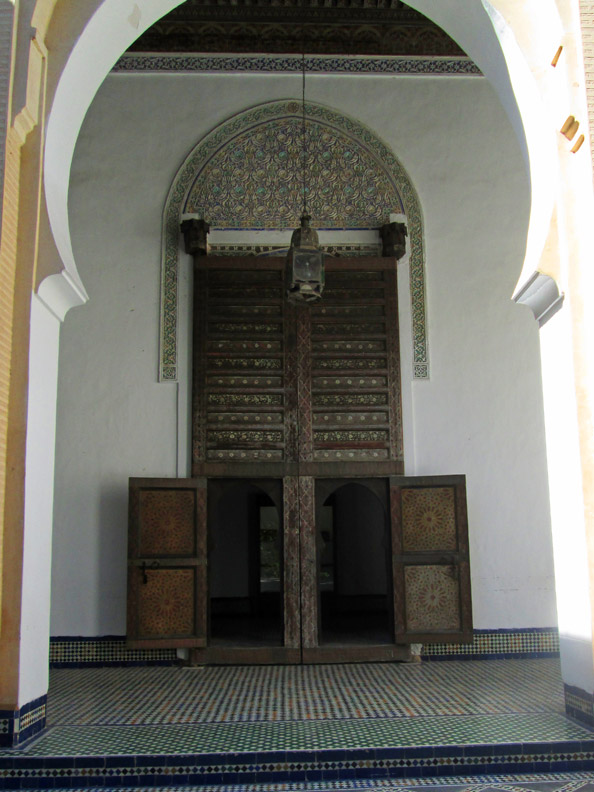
(154, 565)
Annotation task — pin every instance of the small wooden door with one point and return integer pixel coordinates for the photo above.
(167, 581)
(430, 559)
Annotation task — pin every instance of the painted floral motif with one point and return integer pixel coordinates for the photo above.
(428, 519)
(432, 598)
(255, 181)
(369, 150)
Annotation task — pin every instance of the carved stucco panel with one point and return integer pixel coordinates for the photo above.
(241, 175)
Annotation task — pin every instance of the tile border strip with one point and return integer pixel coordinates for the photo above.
(19, 725)
(498, 644)
(427, 66)
(83, 652)
(18, 771)
(105, 650)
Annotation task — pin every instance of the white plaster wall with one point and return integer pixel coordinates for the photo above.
(481, 412)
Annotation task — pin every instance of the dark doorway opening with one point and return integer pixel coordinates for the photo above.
(245, 567)
(354, 572)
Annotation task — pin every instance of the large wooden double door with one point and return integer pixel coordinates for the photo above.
(299, 569)
(298, 538)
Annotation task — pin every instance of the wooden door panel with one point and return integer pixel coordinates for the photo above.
(429, 519)
(430, 559)
(291, 572)
(167, 563)
(166, 522)
(166, 602)
(432, 598)
(239, 364)
(355, 370)
(282, 385)
(309, 561)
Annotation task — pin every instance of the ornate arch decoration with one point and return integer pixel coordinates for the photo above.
(242, 176)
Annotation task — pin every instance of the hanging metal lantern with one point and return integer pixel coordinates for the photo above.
(305, 274)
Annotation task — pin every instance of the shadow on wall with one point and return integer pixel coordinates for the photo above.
(111, 557)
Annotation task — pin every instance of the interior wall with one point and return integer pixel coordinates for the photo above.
(229, 545)
(361, 543)
(479, 414)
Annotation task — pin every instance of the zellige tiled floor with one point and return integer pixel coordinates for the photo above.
(466, 726)
(174, 710)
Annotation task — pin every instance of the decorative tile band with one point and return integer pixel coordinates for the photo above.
(486, 645)
(104, 651)
(491, 644)
(17, 726)
(579, 704)
(199, 188)
(432, 66)
(288, 767)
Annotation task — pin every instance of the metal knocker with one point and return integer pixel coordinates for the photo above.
(154, 565)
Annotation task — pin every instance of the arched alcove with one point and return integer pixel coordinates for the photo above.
(242, 176)
(70, 107)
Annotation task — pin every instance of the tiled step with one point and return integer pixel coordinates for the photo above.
(533, 782)
(274, 767)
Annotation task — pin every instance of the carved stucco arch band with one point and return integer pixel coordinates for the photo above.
(242, 176)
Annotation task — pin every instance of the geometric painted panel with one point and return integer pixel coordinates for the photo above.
(166, 603)
(432, 598)
(428, 519)
(167, 524)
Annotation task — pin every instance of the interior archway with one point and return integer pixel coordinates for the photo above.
(245, 550)
(63, 196)
(354, 557)
(114, 26)
(120, 262)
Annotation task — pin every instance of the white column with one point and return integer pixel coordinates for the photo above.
(572, 579)
(39, 500)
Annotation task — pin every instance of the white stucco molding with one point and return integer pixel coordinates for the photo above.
(61, 292)
(541, 294)
(541, 139)
(108, 33)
